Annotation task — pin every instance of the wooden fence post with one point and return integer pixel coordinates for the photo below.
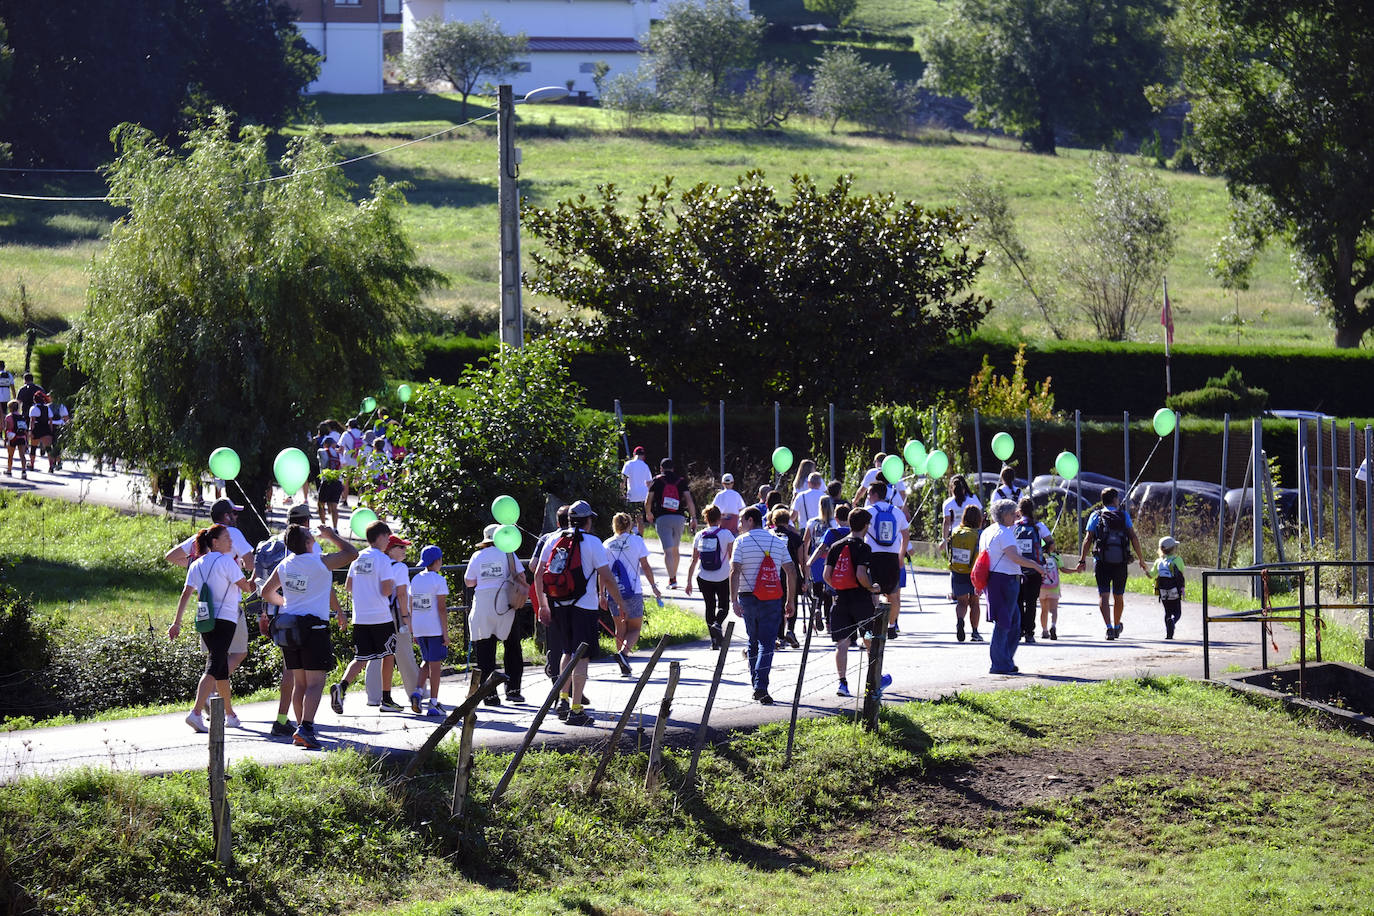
(660, 726)
(873, 701)
(625, 716)
(463, 771)
(796, 697)
(710, 700)
(563, 678)
(219, 800)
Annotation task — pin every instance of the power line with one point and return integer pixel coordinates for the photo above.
(288, 175)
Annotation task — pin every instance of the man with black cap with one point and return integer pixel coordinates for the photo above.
(669, 508)
(637, 477)
(225, 513)
(573, 570)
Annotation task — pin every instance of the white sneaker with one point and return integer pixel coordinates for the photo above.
(196, 722)
(231, 721)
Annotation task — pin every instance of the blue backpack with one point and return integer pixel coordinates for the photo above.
(884, 525)
(628, 584)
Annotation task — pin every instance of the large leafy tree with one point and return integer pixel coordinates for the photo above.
(81, 67)
(1039, 67)
(461, 53)
(515, 425)
(828, 296)
(1283, 106)
(232, 308)
(695, 48)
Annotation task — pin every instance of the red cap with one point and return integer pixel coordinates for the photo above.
(394, 541)
(639, 450)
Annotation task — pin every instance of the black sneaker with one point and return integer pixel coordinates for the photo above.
(564, 709)
(492, 700)
(1111, 632)
(389, 705)
(514, 696)
(579, 718)
(1119, 628)
(282, 730)
(1054, 633)
(1030, 639)
(625, 670)
(975, 636)
(792, 641)
(336, 698)
(959, 631)
(763, 697)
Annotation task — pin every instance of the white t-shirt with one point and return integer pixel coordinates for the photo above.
(424, 604)
(806, 505)
(400, 575)
(367, 573)
(60, 415)
(240, 543)
(6, 386)
(488, 567)
(305, 584)
(629, 548)
(726, 539)
(222, 574)
(729, 502)
(870, 475)
(593, 558)
(953, 509)
(637, 476)
(750, 549)
(902, 525)
(1006, 492)
(995, 540)
(352, 441)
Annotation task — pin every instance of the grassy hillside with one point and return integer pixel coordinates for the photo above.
(569, 150)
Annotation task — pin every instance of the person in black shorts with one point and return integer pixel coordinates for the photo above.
(1108, 532)
(855, 611)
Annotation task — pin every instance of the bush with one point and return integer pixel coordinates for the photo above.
(1219, 396)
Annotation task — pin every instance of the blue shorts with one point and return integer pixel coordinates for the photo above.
(432, 648)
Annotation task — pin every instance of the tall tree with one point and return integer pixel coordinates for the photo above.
(843, 86)
(231, 308)
(461, 53)
(1283, 106)
(709, 287)
(696, 47)
(1038, 67)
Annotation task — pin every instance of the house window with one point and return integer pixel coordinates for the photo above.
(521, 66)
(348, 2)
(586, 67)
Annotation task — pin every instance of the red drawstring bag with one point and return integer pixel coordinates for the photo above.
(981, 567)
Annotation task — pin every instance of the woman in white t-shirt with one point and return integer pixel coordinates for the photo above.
(630, 551)
(951, 514)
(714, 545)
(489, 622)
(215, 568)
(429, 623)
(1004, 584)
(303, 586)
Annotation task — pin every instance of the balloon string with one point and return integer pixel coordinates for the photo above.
(249, 503)
(1127, 494)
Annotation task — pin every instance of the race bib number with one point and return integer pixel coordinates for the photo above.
(1026, 546)
(492, 570)
(422, 602)
(961, 554)
(295, 582)
(671, 503)
(364, 567)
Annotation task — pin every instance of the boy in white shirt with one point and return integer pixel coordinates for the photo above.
(637, 478)
(429, 624)
(370, 583)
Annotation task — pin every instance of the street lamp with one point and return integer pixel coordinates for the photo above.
(508, 203)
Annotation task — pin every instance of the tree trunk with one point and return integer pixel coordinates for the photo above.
(1349, 336)
(1041, 137)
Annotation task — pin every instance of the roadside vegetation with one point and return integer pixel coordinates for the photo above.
(1138, 795)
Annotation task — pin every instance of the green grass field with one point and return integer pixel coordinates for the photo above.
(1155, 795)
(569, 150)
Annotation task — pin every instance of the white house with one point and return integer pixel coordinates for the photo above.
(566, 37)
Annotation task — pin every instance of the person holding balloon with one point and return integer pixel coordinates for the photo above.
(489, 621)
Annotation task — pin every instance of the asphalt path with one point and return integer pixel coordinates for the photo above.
(926, 662)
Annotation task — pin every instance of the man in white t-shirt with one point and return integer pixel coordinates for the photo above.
(889, 538)
(222, 512)
(730, 503)
(806, 505)
(6, 385)
(637, 477)
(371, 584)
(569, 599)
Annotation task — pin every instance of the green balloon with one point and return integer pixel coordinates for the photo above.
(369, 404)
(919, 465)
(915, 453)
(403, 392)
(1066, 465)
(1003, 445)
(292, 469)
(507, 539)
(505, 510)
(937, 464)
(782, 459)
(224, 463)
(1164, 421)
(892, 468)
(362, 517)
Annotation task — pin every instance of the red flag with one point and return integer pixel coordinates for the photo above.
(1166, 318)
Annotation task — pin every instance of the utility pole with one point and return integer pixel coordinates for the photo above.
(508, 203)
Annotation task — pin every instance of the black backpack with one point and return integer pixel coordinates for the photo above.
(1113, 541)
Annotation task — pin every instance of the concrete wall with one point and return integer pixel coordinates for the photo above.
(352, 53)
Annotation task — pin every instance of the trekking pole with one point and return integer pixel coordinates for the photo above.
(911, 571)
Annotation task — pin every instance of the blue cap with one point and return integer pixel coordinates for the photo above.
(430, 555)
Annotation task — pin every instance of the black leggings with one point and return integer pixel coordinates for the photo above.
(217, 646)
(717, 597)
(1026, 600)
(514, 657)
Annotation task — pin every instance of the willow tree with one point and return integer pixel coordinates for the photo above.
(235, 303)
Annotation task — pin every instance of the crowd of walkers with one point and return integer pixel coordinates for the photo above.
(844, 555)
(35, 424)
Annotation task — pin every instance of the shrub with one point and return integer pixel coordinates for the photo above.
(1218, 396)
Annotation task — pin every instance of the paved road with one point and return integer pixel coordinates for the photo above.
(926, 662)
